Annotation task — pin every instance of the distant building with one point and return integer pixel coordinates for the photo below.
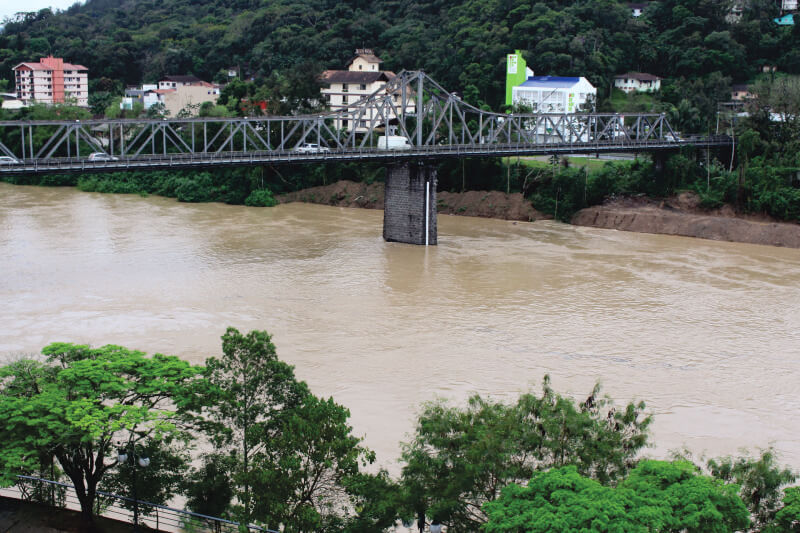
(363, 77)
(789, 5)
(51, 81)
(172, 82)
(145, 95)
(637, 81)
(10, 101)
(174, 92)
(637, 8)
(554, 94)
(740, 92)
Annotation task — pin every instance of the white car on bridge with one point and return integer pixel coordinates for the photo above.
(312, 148)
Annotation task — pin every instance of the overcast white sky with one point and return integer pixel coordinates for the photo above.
(9, 7)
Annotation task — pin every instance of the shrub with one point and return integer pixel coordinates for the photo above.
(261, 198)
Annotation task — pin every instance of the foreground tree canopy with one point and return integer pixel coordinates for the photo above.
(462, 458)
(656, 496)
(287, 459)
(80, 403)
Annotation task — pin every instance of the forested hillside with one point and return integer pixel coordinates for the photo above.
(695, 44)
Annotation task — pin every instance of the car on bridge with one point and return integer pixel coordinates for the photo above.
(8, 160)
(102, 156)
(312, 148)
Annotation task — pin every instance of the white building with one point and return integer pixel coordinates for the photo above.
(173, 82)
(363, 77)
(637, 81)
(789, 5)
(552, 94)
(637, 8)
(146, 95)
(51, 81)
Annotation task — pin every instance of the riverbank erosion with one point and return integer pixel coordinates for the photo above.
(678, 215)
(486, 204)
(682, 215)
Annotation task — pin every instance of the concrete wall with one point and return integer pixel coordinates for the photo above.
(405, 203)
(188, 94)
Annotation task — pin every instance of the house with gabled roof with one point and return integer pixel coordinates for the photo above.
(641, 82)
(341, 89)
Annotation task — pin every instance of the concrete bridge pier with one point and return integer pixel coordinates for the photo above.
(409, 214)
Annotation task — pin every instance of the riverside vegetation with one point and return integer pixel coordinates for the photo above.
(280, 46)
(275, 454)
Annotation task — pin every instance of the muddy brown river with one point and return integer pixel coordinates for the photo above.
(707, 333)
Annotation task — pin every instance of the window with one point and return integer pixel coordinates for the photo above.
(344, 123)
(363, 87)
(344, 87)
(360, 67)
(374, 67)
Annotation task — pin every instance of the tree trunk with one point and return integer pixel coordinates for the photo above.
(86, 499)
(85, 490)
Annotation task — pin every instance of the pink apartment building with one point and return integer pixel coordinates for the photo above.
(51, 81)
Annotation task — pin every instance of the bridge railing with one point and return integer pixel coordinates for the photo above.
(116, 507)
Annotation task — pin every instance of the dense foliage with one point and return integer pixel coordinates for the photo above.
(656, 496)
(284, 44)
(462, 458)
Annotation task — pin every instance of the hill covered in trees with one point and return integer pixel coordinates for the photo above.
(696, 44)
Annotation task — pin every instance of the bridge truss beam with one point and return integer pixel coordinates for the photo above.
(436, 123)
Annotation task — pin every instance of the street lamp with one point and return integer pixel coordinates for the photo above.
(124, 456)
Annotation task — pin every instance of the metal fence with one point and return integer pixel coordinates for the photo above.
(116, 507)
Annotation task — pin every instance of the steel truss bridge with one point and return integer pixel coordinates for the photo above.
(445, 126)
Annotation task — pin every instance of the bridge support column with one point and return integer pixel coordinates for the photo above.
(409, 214)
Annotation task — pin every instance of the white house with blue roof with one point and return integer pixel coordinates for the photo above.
(555, 94)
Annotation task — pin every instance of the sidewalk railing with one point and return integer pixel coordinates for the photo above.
(114, 506)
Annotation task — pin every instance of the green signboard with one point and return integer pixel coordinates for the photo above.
(515, 73)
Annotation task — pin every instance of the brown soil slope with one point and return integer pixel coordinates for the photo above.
(489, 204)
(683, 216)
(680, 215)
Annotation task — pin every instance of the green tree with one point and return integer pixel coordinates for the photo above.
(158, 482)
(78, 404)
(697, 503)
(562, 500)
(249, 391)
(761, 481)
(300, 475)
(787, 520)
(208, 489)
(291, 458)
(461, 458)
(657, 496)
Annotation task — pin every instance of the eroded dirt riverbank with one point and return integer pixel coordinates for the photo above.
(680, 215)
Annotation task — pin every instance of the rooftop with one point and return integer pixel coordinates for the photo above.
(641, 76)
(366, 54)
(552, 82)
(183, 79)
(349, 76)
(47, 65)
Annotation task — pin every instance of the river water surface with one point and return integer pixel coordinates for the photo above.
(707, 333)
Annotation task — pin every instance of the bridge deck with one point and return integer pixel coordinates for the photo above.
(272, 157)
